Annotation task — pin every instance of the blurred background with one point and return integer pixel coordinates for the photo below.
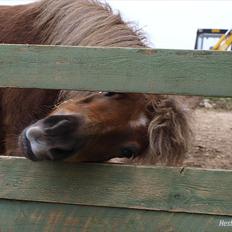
(169, 24)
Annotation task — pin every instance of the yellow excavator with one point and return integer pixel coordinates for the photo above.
(220, 37)
(216, 40)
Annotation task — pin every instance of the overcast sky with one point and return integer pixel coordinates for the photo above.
(171, 24)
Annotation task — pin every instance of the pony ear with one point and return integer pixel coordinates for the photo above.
(169, 131)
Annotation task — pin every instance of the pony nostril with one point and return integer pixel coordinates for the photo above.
(53, 120)
(61, 127)
(60, 124)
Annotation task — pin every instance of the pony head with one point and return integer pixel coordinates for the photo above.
(102, 126)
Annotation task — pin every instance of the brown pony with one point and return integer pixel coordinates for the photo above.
(84, 126)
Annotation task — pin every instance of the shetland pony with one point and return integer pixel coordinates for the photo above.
(82, 126)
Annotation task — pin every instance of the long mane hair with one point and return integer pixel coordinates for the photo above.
(85, 23)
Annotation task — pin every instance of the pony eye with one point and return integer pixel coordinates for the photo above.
(114, 95)
(128, 152)
(109, 94)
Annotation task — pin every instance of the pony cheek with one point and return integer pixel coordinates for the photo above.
(87, 157)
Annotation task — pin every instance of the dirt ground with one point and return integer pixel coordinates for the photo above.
(212, 145)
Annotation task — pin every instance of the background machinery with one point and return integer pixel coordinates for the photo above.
(214, 39)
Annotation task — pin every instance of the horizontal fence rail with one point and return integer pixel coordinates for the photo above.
(117, 69)
(136, 187)
(39, 217)
(48, 196)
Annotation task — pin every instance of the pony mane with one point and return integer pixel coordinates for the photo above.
(85, 23)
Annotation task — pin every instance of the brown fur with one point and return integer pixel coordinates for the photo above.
(85, 23)
(16, 25)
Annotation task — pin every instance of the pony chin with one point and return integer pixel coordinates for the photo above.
(169, 132)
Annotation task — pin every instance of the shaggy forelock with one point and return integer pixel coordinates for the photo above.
(169, 131)
(85, 23)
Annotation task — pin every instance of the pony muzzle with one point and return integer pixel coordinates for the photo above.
(52, 138)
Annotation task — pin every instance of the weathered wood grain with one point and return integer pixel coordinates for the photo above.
(44, 217)
(115, 69)
(138, 187)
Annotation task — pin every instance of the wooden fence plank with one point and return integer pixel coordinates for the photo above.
(139, 187)
(39, 217)
(111, 69)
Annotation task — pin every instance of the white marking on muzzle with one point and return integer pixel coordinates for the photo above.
(38, 146)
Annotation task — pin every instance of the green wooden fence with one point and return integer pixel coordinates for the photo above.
(114, 69)
(103, 197)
